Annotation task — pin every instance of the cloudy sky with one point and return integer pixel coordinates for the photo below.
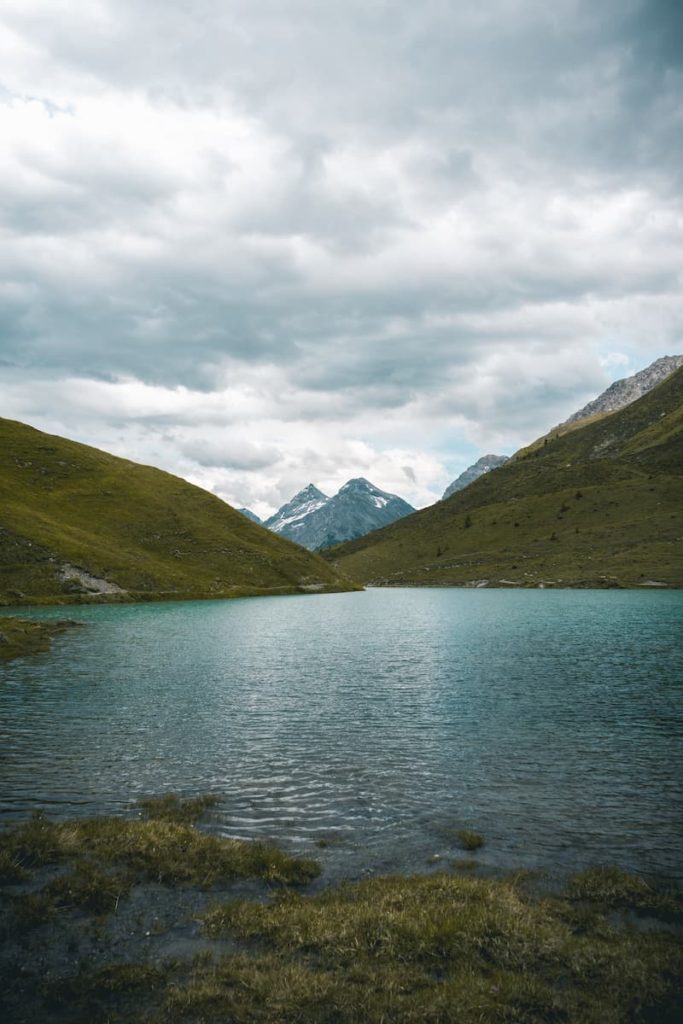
(265, 242)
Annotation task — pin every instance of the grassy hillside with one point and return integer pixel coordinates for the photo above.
(597, 506)
(78, 524)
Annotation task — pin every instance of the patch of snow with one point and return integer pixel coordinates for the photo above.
(301, 513)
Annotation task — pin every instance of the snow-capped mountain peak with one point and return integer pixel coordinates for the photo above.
(289, 516)
(316, 521)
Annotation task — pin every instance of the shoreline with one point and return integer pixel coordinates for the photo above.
(161, 597)
(120, 921)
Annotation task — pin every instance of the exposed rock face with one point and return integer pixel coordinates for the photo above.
(250, 515)
(79, 581)
(483, 465)
(316, 521)
(625, 391)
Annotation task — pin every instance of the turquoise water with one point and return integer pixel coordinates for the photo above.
(549, 721)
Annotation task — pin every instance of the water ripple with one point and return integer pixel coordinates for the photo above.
(551, 722)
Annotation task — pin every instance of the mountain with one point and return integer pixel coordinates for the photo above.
(250, 515)
(617, 396)
(483, 465)
(289, 519)
(316, 521)
(600, 505)
(78, 524)
(627, 390)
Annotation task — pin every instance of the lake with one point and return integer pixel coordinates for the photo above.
(378, 722)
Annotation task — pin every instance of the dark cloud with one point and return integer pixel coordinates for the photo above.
(358, 216)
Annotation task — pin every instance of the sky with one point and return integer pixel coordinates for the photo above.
(260, 244)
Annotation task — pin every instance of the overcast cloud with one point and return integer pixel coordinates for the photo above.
(262, 244)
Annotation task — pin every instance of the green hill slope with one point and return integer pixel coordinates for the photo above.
(79, 524)
(598, 506)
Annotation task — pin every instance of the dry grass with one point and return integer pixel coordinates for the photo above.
(609, 886)
(438, 948)
(170, 807)
(469, 840)
(156, 849)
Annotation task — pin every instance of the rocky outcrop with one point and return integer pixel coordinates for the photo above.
(79, 581)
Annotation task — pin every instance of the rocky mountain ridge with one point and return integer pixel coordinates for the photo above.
(622, 392)
(483, 465)
(617, 396)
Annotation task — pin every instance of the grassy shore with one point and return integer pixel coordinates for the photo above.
(88, 902)
(19, 637)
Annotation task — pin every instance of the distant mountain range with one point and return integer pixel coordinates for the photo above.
(317, 521)
(598, 505)
(78, 524)
(597, 502)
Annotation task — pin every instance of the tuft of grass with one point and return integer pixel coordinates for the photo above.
(329, 839)
(88, 888)
(610, 886)
(156, 849)
(85, 888)
(464, 864)
(171, 807)
(422, 919)
(268, 989)
(34, 843)
(469, 840)
(110, 977)
(111, 993)
(11, 870)
(21, 637)
(463, 837)
(433, 948)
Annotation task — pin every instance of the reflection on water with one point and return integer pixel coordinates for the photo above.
(549, 721)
